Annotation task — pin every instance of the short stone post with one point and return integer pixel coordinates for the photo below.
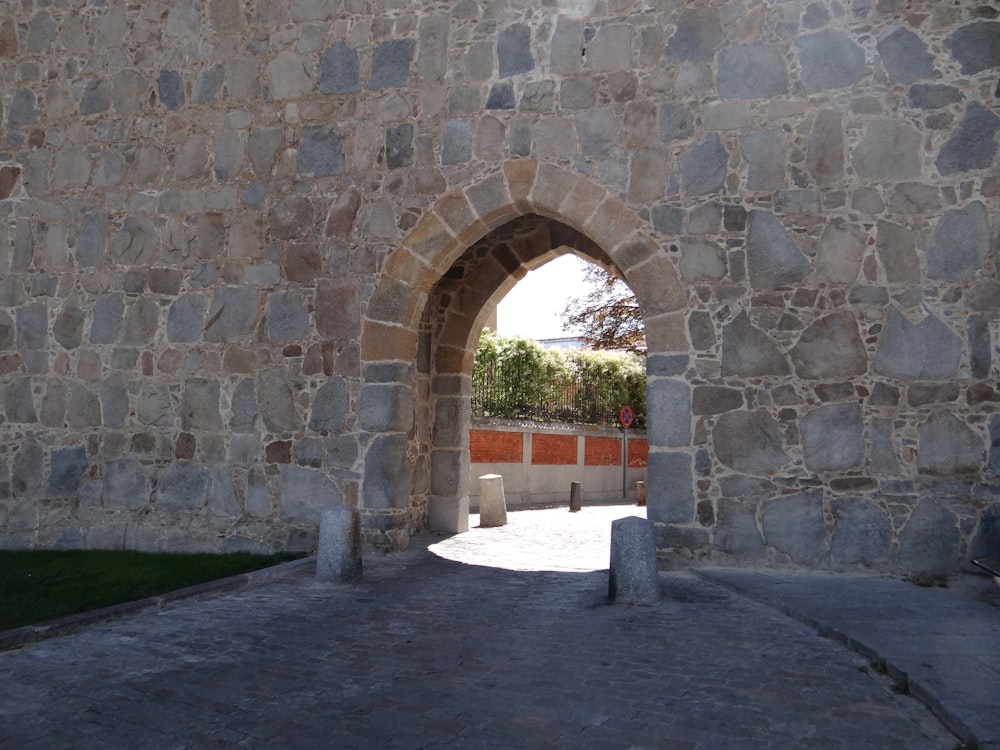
(640, 493)
(575, 497)
(338, 559)
(633, 577)
(492, 503)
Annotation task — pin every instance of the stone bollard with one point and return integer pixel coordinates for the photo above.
(492, 503)
(633, 577)
(575, 497)
(338, 559)
(640, 493)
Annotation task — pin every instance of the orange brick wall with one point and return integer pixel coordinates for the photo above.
(491, 447)
(638, 452)
(553, 449)
(602, 451)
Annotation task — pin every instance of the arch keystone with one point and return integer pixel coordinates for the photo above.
(520, 174)
(551, 189)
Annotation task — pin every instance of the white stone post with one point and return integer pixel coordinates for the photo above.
(492, 504)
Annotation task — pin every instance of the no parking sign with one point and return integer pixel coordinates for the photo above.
(626, 416)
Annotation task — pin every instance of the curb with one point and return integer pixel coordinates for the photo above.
(23, 636)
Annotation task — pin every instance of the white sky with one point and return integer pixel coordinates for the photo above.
(533, 308)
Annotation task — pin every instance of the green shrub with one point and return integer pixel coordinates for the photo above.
(516, 378)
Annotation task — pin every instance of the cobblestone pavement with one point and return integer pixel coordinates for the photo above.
(436, 649)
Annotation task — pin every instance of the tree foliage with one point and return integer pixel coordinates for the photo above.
(516, 378)
(608, 316)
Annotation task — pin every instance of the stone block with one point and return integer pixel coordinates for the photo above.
(391, 64)
(961, 243)
(831, 347)
(976, 46)
(773, 257)
(748, 351)
(339, 70)
(794, 525)
(68, 468)
(704, 166)
(183, 487)
(514, 51)
(321, 151)
(928, 350)
(492, 502)
(862, 535)
(339, 558)
(749, 442)
(305, 494)
(890, 150)
(752, 71)
(929, 542)
(830, 60)
(669, 487)
(633, 577)
(669, 410)
(448, 514)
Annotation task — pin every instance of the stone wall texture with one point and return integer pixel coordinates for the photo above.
(246, 247)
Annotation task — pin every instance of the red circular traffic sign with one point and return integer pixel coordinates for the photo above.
(625, 416)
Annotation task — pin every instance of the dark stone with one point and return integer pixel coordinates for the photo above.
(701, 330)
(676, 122)
(928, 350)
(905, 55)
(862, 535)
(399, 146)
(929, 543)
(973, 144)
(391, 64)
(501, 96)
(715, 399)
(697, 36)
(23, 109)
(749, 352)
(329, 407)
(921, 394)
(830, 60)
(749, 442)
(794, 525)
(339, 70)
(833, 438)
(96, 97)
(208, 85)
(754, 71)
(933, 95)
(183, 487)
(704, 166)
(948, 447)
(670, 490)
(457, 142)
(170, 88)
(736, 532)
(385, 483)
(68, 467)
(980, 346)
(668, 219)
(773, 257)
(975, 46)
(514, 51)
(321, 152)
(830, 347)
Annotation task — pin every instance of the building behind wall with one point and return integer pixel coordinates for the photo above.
(244, 246)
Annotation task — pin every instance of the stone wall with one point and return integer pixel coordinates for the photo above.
(246, 248)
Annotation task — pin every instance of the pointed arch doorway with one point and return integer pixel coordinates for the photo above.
(423, 321)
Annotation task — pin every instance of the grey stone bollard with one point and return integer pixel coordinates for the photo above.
(338, 559)
(640, 493)
(575, 497)
(633, 577)
(492, 503)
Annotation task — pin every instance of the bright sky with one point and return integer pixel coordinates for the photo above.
(533, 308)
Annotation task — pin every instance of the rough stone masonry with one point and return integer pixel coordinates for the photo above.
(247, 247)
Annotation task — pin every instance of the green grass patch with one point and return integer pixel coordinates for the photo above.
(40, 585)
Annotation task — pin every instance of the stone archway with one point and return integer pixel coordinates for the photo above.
(421, 325)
